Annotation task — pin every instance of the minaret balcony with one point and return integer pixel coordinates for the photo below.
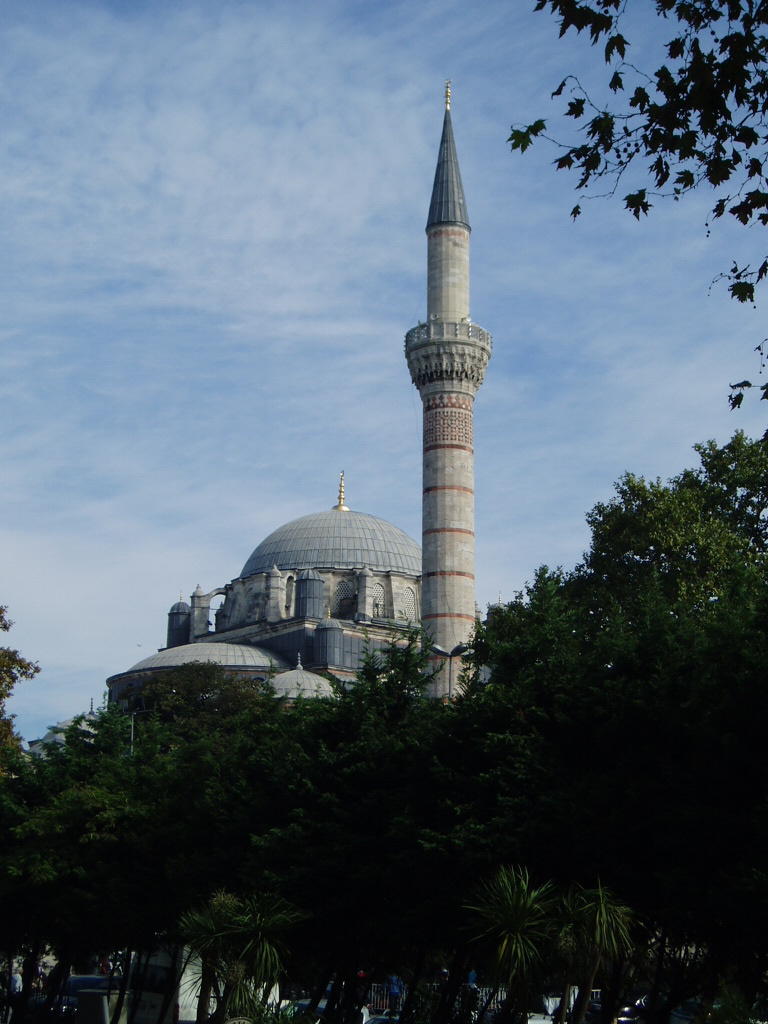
(445, 353)
(437, 330)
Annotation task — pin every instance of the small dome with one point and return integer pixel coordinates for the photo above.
(299, 683)
(337, 539)
(180, 607)
(56, 733)
(329, 623)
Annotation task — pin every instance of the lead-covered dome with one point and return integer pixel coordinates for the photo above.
(230, 656)
(300, 683)
(337, 539)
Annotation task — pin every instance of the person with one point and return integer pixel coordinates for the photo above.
(16, 985)
(473, 992)
(395, 990)
(442, 983)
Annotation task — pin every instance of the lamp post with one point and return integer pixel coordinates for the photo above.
(140, 711)
(450, 655)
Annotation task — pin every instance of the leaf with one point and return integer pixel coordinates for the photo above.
(522, 138)
(576, 211)
(685, 179)
(575, 108)
(637, 203)
(616, 44)
(616, 83)
(640, 99)
(742, 291)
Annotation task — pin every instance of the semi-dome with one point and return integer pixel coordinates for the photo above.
(337, 539)
(240, 657)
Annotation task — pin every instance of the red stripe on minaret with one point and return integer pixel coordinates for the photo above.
(440, 447)
(447, 529)
(450, 615)
(439, 572)
(449, 487)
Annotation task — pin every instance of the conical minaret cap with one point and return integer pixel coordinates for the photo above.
(448, 205)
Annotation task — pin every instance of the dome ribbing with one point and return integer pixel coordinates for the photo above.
(337, 539)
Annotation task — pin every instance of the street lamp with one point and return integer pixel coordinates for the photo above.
(450, 655)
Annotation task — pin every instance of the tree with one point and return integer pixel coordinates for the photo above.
(631, 692)
(700, 118)
(12, 669)
(241, 943)
(603, 925)
(517, 916)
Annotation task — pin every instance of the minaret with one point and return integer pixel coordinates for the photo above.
(447, 357)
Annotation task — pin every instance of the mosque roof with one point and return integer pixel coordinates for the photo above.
(232, 656)
(448, 205)
(337, 539)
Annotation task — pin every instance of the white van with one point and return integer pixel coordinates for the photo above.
(164, 986)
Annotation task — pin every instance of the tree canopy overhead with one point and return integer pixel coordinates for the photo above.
(698, 118)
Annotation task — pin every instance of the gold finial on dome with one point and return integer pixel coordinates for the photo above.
(447, 94)
(341, 506)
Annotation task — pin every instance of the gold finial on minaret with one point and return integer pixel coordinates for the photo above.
(447, 94)
(341, 506)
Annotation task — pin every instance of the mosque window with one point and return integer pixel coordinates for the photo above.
(344, 599)
(409, 605)
(378, 602)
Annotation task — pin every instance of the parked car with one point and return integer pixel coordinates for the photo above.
(692, 1010)
(64, 1005)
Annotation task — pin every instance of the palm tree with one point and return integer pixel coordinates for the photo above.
(568, 942)
(240, 942)
(603, 931)
(517, 916)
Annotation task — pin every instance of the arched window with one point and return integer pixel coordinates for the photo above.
(378, 602)
(344, 599)
(409, 605)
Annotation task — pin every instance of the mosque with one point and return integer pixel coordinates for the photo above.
(319, 590)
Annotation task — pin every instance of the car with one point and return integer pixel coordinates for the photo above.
(692, 1010)
(64, 1005)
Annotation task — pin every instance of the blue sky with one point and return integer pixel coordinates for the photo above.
(212, 222)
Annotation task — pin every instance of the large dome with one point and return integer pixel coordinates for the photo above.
(337, 539)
